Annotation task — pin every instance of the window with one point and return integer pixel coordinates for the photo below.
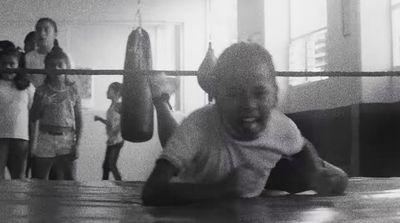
(307, 49)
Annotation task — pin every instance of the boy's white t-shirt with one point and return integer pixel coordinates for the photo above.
(204, 153)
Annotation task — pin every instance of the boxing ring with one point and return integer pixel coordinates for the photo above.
(366, 199)
(194, 73)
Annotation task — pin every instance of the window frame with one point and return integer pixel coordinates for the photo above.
(292, 80)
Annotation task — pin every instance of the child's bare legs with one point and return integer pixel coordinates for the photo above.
(3, 157)
(41, 167)
(17, 157)
(63, 167)
(110, 161)
(29, 164)
(52, 174)
(13, 154)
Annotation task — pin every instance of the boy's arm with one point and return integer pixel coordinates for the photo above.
(159, 191)
(323, 177)
(78, 128)
(34, 114)
(166, 122)
(102, 120)
(34, 132)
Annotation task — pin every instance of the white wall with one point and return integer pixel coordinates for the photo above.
(343, 48)
(277, 37)
(220, 20)
(251, 20)
(376, 50)
(375, 35)
(94, 33)
(330, 93)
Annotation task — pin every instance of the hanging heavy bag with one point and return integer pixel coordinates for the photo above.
(137, 106)
(205, 76)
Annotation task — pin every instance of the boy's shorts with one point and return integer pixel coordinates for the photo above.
(51, 145)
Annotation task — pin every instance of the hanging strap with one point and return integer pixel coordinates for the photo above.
(138, 15)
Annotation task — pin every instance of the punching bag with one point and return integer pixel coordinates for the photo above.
(137, 105)
(205, 76)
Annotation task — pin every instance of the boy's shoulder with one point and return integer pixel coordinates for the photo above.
(284, 132)
(279, 116)
(201, 115)
(279, 122)
(199, 122)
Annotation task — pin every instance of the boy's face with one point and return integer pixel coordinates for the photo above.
(8, 62)
(244, 98)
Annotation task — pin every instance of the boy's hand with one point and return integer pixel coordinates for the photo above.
(161, 84)
(97, 118)
(330, 180)
(74, 152)
(244, 181)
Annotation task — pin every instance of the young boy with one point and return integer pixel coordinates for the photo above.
(228, 149)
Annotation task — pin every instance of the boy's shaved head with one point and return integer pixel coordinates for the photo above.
(245, 89)
(242, 55)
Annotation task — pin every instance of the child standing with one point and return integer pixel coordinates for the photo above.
(228, 149)
(113, 129)
(56, 111)
(16, 96)
(46, 38)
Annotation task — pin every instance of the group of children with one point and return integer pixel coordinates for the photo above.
(235, 147)
(40, 115)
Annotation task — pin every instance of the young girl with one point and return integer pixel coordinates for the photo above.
(113, 129)
(229, 149)
(56, 111)
(16, 96)
(45, 34)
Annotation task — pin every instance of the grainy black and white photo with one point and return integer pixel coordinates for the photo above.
(199, 111)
